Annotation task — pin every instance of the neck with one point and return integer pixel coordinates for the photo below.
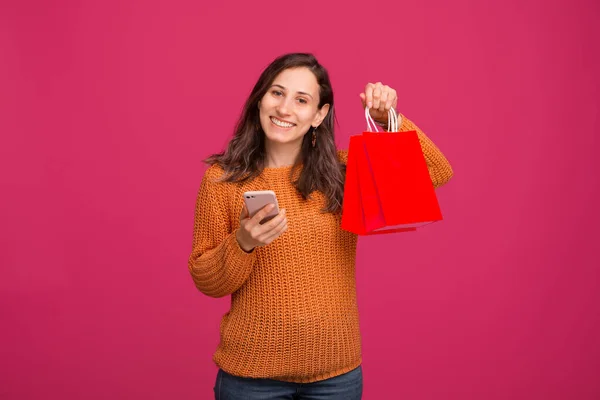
(282, 155)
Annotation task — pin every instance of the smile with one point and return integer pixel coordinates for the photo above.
(281, 123)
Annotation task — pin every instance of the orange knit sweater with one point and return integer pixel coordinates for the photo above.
(293, 314)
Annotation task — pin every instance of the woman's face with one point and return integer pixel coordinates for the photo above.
(290, 106)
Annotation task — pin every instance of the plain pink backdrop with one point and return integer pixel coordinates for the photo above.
(108, 108)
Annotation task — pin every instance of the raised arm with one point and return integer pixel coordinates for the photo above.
(380, 99)
(440, 170)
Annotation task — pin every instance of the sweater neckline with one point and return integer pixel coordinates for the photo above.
(282, 171)
(282, 168)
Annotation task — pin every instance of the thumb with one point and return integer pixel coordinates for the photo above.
(363, 99)
(244, 213)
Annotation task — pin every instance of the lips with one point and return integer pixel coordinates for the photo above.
(282, 123)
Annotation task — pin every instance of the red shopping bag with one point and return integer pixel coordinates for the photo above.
(388, 187)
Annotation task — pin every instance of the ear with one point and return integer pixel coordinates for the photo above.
(321, 114)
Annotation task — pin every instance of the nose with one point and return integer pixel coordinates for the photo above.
(284, 106)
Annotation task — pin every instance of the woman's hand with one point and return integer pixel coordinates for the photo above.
(379, 98)
(252, 234)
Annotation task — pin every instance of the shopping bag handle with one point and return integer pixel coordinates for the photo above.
(393, 123)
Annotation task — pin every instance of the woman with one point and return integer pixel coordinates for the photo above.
(293, 327)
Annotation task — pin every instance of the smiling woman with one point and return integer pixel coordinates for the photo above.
(289, 109)
(293, 326)
(288, 120)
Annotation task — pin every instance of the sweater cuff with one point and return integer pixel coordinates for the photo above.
(237, 262)
(225, 270)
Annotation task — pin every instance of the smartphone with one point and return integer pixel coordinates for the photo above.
(256, 200)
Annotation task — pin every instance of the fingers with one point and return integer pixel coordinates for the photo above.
(392, 100)
(267, 232)
(252, 234)
(276, 233)
(379, 97)
(373, 95)
(261, 214)
(369, 94)
(363, 99)
(257, 230)
(377, 92)
(267, 226)
(273, 233)
(382, 101)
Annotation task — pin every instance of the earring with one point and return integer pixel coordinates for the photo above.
(314, 137)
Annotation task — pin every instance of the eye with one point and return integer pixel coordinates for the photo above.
(302, 101)
(277, 92)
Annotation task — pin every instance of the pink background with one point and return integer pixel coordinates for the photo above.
(107, 109)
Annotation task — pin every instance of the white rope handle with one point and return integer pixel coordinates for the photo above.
(370, 121)
(393, 123)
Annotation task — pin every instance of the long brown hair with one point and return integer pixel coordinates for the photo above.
(244, 158)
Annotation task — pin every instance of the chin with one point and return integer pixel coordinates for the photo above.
(274, 135)
(278, 139)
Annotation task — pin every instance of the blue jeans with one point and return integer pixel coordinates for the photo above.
(348, 386)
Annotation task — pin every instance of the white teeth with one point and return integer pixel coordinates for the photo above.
(281, 123)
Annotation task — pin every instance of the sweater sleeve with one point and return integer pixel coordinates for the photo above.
(440, 170)
(218, 265)
(343, 156)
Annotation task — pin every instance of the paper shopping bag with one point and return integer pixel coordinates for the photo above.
(388, 187)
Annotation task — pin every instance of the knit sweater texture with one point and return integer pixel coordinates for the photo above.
(294, 314)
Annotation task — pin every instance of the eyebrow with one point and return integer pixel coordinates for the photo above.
(283, 87)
